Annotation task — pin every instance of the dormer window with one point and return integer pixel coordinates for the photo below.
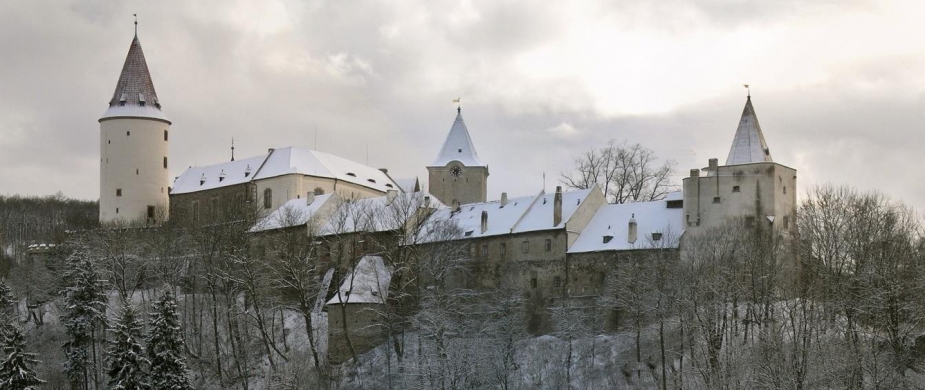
(202, 179)
(351, 174)
(247, 171)
(122, 100)
(389, 185)
(221, 176)
(141, 99)
(607, 239)
(371, 181)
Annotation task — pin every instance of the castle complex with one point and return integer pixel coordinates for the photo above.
(548, 246)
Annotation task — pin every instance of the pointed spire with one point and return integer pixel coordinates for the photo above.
(232, 148)
(458, 146)
(748, 146)
(134, 95)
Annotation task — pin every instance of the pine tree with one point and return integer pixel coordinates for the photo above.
(165, 346)
(7, 311)
(127, 362)
(16, 369)
(85, 305)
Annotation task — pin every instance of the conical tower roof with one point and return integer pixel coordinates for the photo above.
(458, 146)
(748, 146)
(135, 96)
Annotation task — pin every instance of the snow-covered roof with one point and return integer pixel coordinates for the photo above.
(378, 213)
(134, 96)
(519, 215)
(613, 221)
(295, 212)
(748, 146)
(210, 176)
(458, 146)
(540, 215)
(314, 163)
(368, 283)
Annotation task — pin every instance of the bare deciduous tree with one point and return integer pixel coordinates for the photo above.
(626, 173)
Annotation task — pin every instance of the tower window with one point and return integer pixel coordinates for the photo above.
(556, 281)
(460, 150)
(735, 188)
(785, 189)
(117, 210)
(267, 198)
(165, 162)
(525, 246)
(503, 249)
(150, 212)
(118, 192)
(136, 171)
(165, 135)
(128, 133)
(716, 199)
(108, 142)
(548, 245)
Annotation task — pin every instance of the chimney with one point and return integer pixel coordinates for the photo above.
(503, 199)
(427, 202)
(557, 207)
(713, 164)
(484, 221)
(309, 198)
(632, 231)
(390, 196)
(455, 205)
(695, 173)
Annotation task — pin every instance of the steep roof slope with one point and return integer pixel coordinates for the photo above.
(613, 221)
(217, 175)
(314, 163)
(134, 95)
(458, 146)
(748, 146)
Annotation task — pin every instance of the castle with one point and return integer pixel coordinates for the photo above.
(549, 246)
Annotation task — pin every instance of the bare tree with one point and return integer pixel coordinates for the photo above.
(626, 173)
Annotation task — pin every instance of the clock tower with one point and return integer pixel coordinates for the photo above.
(457, 175)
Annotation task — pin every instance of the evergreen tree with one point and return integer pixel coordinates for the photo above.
(85, 305)
(126, 358)
(16, 369)
(7, 311)
(165, 346)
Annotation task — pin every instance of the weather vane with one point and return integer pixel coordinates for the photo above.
(748, 89)
(136, 24)
(458, 107)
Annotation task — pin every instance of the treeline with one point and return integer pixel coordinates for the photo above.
(26, 220)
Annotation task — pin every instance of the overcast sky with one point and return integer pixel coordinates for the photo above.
(837, 85)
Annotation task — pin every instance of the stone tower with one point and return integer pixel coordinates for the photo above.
(457, 175)
(750, 186)
(133, 147)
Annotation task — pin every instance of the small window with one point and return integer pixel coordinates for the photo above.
(785, 189)
(165, 162)
(607, 239)
(150, 212)
(389, 185)
(371, 181)
(503, 249)
(533, 283)
(128, 133)
(525, 246)
(484, 250)
(351, 174)
(656, 236)
(267, 198)
(786, 222)
(749, 221)
(735, 188)
(136, 171)
(460, 150)
(165, 135)
(469, 233)
(715, 199)
(318, 191)
(557, 282)
(117, 210)
(109, 142)
(118, 192)
(548, 245)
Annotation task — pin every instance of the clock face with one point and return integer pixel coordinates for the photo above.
(456, 170)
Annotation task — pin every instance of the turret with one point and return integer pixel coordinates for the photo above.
(457, 174)
(134, 134)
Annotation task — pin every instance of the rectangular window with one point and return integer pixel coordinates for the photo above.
(150, 212)
(533, 283)
(786, 222)
(525, 246)
(484, 250)
(716, 199)
(118, 192)
(735, 188)
(557, 282)
(165, 162)
(165, 135)
(548, 245)
(503, 249)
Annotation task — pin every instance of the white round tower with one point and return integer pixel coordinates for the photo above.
(134, 135)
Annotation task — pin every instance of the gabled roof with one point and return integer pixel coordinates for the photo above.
(367, 283)
(134, 95)
(280, 162)
(218, 175)
(748, 146)
(613, 221)
(319, 164)
(377, 213)
(540, 216)
(458, 146)
(295, 212)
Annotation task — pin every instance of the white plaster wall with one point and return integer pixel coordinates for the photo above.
(132, 152)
